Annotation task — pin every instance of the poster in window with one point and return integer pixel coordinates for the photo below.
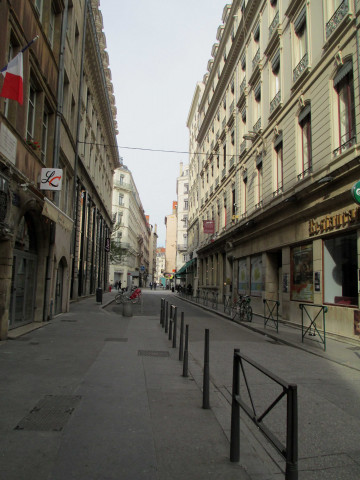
(302, 287)
(256, 275)
(243, 279)
(317, 282)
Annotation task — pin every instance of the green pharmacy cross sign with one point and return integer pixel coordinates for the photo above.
(355, 192)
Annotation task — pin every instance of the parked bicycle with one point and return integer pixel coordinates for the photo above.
(242, 308)
(125, 297)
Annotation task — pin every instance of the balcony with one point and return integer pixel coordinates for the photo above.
(275, 102)
(300, 67)
(304, 173)
(242, 87)
(257, 126)
(274, 24)
(256, 59)
(348, 140)
(243, 147)
(181, 247)
(337, 18)
(232, 162)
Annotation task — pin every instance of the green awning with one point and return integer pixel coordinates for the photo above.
(182, 271)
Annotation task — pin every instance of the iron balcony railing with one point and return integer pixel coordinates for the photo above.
(274, 24)
(337, 18)
(300, 67)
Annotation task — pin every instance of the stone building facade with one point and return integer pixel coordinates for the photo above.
(132, 232)
(53, 244)
(278, 157)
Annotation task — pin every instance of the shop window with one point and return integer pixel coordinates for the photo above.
(340, 270)
(243, 277)
(344, 88)
(257, 283)
(302, 288)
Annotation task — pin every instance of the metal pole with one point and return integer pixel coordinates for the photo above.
(235, 411)
(291, 472)
(166, 316)
(162, 311)
(186, 352)
(181, 348)
(206, 377)
(170, 329)
(175, 327)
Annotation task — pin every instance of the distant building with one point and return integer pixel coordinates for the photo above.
(170, 244)
(160, 266)
(182, 212)
(132, 234)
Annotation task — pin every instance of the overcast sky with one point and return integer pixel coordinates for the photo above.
(158, 50)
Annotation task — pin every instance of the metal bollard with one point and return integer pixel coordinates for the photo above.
(166, 317)
(206, 377)
(186, 352)
(162, 311)
(235, 411)
(291, 471)
(175, 327)
(170, 329)
(181, 348)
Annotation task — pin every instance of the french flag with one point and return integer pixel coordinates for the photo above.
(13, 83)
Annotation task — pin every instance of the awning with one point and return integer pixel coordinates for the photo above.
(183, 269)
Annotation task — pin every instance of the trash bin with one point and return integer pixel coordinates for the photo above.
(127, 309)
(99, 295)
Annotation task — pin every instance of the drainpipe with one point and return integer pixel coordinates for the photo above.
(81, 74)
(60, 97)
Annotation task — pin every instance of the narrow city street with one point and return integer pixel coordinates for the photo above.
(96, 395)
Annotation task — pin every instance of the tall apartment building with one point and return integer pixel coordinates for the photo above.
(132, 232)
(55, 170)
(182, 212)
(160, 266)
(170, 245)
(277, 136)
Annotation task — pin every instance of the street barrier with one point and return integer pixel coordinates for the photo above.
(313, 312)
(271, 312)
(166, 317)
(289, 452)
(174, 327)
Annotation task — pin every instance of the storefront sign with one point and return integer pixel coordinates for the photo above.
(332, 222)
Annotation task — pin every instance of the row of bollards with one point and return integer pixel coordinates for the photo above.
(168, 321)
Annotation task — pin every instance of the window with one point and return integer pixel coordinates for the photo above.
(224, 156)
(186, 204)
(344, 87)
(234, 205)
(186, 188)
(225, 212)
(275, 82)
(38, 7)
(121, 179)
(336, 10)
(31, 113)
(278, 164)
(300, 44)
(121, 199)
(257, 107)
(301, 259)
(52, 25)
(244, 194)
(259, 181)
(340, 270)
(44, 136)
(305, 132)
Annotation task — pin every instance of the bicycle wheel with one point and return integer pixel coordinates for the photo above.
(248, 313)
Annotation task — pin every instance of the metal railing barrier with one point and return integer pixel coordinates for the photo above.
(289, 452)
(271, 312)
(227, 304)
(313, 312)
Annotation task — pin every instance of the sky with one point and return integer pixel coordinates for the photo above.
(158, 51)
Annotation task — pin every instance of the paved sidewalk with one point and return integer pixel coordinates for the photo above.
(95, 395)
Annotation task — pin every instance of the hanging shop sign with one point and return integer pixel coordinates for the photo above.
(334, 222)
(51, 179)
(209, 226)
(355, 192)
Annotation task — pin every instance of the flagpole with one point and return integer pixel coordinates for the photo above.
(30, 43)
(23, 50)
